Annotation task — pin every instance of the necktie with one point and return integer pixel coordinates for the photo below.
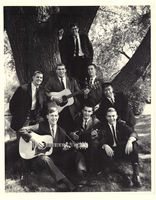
(85, 124)
(114, 135)
(76, 46)
(37, 96)
(62, 84)
(52, 132)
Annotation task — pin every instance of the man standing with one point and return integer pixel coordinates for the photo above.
(77, 53)
(57, 83)
(118, 101)
(27, 102)
(119, 142)
(45, 128)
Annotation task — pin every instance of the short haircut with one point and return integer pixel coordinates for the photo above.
(111, 109)
(88, 105)
(74, 24)
(60, 64)
(107, 84)
(52, 110)
(92, 64)
(37, 72)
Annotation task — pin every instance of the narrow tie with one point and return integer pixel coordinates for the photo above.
(76, 47)
(114, 135)
(85, 125)
(52, 132)
(62, 84)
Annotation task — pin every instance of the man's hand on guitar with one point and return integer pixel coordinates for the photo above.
(39, 145)
(74, 136)
(56, 99)
(25, 134)
(94, 134)
(66, 147)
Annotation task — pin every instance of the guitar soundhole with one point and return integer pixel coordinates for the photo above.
(64, 101)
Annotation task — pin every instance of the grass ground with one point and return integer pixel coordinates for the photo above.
(111, 182)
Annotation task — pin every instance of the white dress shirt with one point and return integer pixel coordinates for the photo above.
(53, 130)
(33, 93)
(63, 79)
(114, 125)
(80, 53)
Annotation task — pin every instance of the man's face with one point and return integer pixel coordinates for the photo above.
(37, 79)
(91, 71)
(53, 118)
(108, 91)
(61, 71)
(74, 30)
(87, 112)
(111, 117)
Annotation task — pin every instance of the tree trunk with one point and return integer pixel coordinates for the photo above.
(136, 66)
(34, 43)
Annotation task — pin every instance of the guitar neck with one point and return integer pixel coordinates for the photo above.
(58, 144)
(74, 94)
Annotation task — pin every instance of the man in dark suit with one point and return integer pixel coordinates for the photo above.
(118, 101)
(94, 84)
(77, 53)
(27, 102)
(57, 83)
(119, 142)
(54, 161)
(86, 130)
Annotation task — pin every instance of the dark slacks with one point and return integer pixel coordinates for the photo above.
(78, 69)
(119, 154)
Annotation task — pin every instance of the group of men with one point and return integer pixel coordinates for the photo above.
(76, 111)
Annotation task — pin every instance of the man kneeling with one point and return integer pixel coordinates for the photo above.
(119, 142)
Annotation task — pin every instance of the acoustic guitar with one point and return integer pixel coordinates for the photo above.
(67, 96)
(29, 150)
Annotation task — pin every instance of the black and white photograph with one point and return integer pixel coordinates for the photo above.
(77, 98)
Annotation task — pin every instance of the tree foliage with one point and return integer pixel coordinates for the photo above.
(116, 33)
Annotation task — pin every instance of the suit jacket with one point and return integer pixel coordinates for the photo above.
(123, 133)
(54, 85)
(20, 105)
(60, 136)
(84, 134)
(95, 95)
(122, 107)
(67, 47)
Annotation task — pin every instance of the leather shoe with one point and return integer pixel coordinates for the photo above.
(136, 181)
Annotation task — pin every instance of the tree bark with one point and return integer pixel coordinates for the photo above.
(135, 67)
(35, 45)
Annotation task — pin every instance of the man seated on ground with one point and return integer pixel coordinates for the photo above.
(118, 101)
(119, 142)
(86, 130)
(26, 103)
(54, 161)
